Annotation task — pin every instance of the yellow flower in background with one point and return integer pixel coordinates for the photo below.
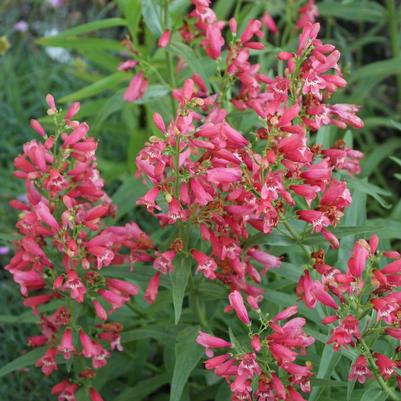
(80, 64)
(4, 45)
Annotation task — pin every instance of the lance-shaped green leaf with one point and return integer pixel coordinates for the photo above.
(328, 363)
(187, 356)
(90, 27)
(81, 43)
(23, 361)
(143, 388)
(369, 11)
(132, 12)
(179, 280)
(109, 82)
(151, 13)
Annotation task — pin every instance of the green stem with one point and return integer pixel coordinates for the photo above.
(294, 235)
(169, 59)
(152, 68)
(368, 355)
(394, 39)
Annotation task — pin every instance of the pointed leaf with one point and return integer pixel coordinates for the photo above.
(23, 361)
(179, 280)
(187, 356)
(152, 16)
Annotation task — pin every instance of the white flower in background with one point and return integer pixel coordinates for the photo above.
(57, 53)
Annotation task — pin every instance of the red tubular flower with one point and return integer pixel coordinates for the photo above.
(35, 124)
(286, 313)
(208, 342)
(255, 343)
(136, 88)
(164, 39)
(66, 346)
(237, 303)
(122, 287)
(88, 347)
(100, 311)
(48, 362)
(65, 390)
(220, 175)
(360, 370)
(357, 262)
(314, 217)
(386, 365)
(164, 262)
(206, 264)
(75, 285)
(94, 395)
(152, 289)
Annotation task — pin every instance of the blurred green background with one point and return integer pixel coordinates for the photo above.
(37, 57)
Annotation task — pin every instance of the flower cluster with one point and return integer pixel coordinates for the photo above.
(221, 185)
(64, 249)
(262, 368)
(365, 302)
(206, 173)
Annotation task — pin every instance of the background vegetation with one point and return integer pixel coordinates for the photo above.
(81, 64)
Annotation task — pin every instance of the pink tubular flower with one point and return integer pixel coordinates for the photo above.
(237, 303)
(208, 341)
(267, 260)
(164, 39)
(72, 110)
(35, 301)
(255, 343)
(51, 103)
(221, 175)
(359, 257)
(360, 370)
(206, 264)
(152, 289)
(47, 362)
(314, 217)
(127, 65)
(100, 311)
(65, 390)
(286, 313)
(269, 23)
(158, 120)
(202, 197)
(293, 395)
(122, 287)
(75, 285)
(116, 300)
(45, 215)
(66, 346)
(345, 334)
(100, 358)
(386, 365)
(213, 41)
(88, 347)
(94, 395)
(164, 262)
(136, 88)
(36, 125)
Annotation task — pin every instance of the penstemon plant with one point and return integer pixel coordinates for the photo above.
(222, 186)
